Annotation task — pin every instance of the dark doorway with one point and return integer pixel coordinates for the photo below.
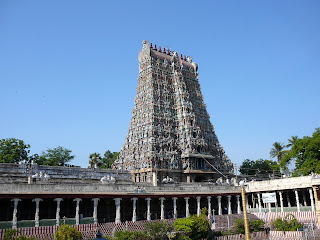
(198, 179)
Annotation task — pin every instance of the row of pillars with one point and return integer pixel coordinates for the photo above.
(296, 192)
(175, 213)
(134, 212)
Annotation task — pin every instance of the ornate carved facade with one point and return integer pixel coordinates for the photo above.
(170, 127)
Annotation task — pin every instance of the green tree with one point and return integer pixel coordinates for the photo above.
(11, 234)
(254, 225)
(305, 152)
(128, 235)
(39, 159)
(159, 230)
(65, 232)
(108, 159)
(260, 166)
(292, 141)
(247, 167)
(288, 223)
(277, 151)
(193, 227)
(95, 159)
(13, 150)
(58, 156)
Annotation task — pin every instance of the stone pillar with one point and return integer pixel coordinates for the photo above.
(297, 200)
(209, 205)
(58, 200)
(187, 206)
(95, 210)
(188, 179)
(154, 179)
(198, 206)
(247, 203)
(253, 201)
(238, 204)
(148, 209)
(311, 199)
(259, 201)
(118, 210)
(269, 205)
(77, 200)
(15, 211)
(175, 214)
(304, 199)
(229, 204)
(134, 211)
(36, 215)
(162, 208)
(288, 199)
(281, 201)
(219, 205)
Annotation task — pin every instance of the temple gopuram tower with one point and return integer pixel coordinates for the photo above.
(170, 134)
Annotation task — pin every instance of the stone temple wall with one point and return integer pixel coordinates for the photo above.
(170, 126)
(19, 173)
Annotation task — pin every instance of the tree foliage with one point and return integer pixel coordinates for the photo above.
(254, 225)
(65, 232)
(11, 234)
(104, 162)
(288, 223)
(95, 160)
(58, 156)
(128, 235)
(13, 150)
(109, 158)
(305, 152)
(193, 227)
(158, 230)
(277, 151)
(260, 166)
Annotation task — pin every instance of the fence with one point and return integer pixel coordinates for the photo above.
(304, 217)
(45, 222)
(276, 235)
(108, 229)
(88, 230)
(285, 209)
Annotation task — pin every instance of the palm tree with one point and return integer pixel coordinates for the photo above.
(292, 141)
(277, 151)
(95, 159)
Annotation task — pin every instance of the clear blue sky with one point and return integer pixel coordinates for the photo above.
(68, 69)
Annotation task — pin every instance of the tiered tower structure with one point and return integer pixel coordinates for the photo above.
(170, 131)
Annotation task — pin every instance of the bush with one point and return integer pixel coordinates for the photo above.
(222, 233)
(193, 227)
(288, 223)
(13, 234)
(126, 235)
(239, 226)
(159, 230)
(66, 232)
(254, 225)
